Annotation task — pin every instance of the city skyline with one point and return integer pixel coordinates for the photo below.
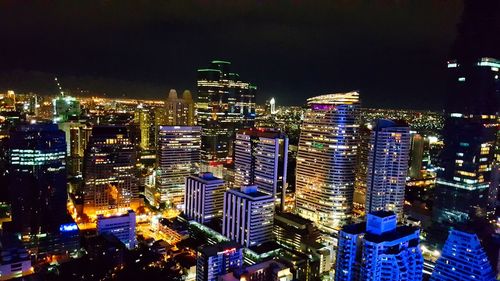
(141, 51)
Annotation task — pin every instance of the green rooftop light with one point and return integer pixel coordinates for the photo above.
(221, 61)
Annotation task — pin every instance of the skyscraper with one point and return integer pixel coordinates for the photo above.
(225, 104)
(37, 171)
(179, 111)
(469, 141)
(204, 197)
(416, 155)
(260, 158)
(216, 260)
(109, 167)
(143, 120)
(326, 160)
(462, 258)
(387, 167)
(178, 157)
(472, 114)
(248, 216)
(378, 250)
(65, 107)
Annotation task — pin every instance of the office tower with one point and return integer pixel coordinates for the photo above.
(326, 160)
(469, 140)
(378, 250)
(265, 271)
(472, 114)
(204, 197)
(121, 226)
(37, 171)
(143, 120)
(416, 156)
(225, 104)
(65, 108)
(248, 216)
(294, 232)
(387, 166)
(462, 258)
(109, 172)
(261, 158)
(216, 260)
(359, 200)
(179, 111)
(178, 157)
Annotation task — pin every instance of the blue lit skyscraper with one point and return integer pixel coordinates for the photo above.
(378, 250)
(326, 160)
(37, 171)
(387, 167)
(463, 258)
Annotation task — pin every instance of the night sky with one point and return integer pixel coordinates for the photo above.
(393, 51)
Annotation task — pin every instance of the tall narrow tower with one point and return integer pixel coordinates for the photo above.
(387, 167)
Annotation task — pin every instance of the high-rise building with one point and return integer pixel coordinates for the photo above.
(463, 258)
(378, 250)
(143, 120)
(248, 216)
(472, 117)
(204, 197)
(122, 226)
(178, 157)
(216, 260)
(109, 172)
(326, 160)
(225, 104)
(37, 171)
(179, 111)
(416, 156)
(260, 158)
(65, 107)
(469, 141)
(387, 167)
(294, 232)
(359, 200)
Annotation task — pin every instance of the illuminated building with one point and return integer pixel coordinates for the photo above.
(37, 170)
(109, 172)
(8, 101)
(78, 135)
(378, 250)
(179, 111)
(204, 197)
(326, 160)
(178, 157)
(216, 260)
(225, 104)
(359, 198)
(469, 141)
(65, 108)
(120, 226)
(248, 216)
(462, 258)
(143, 119)
(265, 271)
(387, 167)
(416, 156)
(15, 260)
(261, 158)
(294, 232)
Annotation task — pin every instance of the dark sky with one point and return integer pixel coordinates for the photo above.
(393, 51)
